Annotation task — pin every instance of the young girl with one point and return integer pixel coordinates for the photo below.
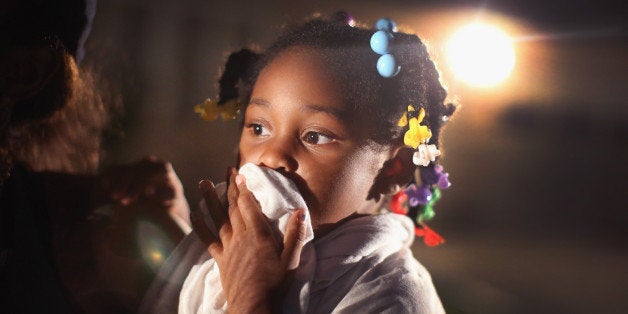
(347, 116)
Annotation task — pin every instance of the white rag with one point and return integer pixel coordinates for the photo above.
(278, 197)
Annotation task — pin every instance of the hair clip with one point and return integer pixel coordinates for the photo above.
(209, 110)
(425, 154)
(418, 202)
(430, 237)
(435, 176)
(382, 43)
(418, 195)
(417, 199)
(417, 136)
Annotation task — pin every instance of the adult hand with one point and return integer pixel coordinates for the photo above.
(151, 183)
(253, 266)
(145, 191)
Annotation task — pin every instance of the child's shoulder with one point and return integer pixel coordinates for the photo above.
(375, 255)
(398, 283)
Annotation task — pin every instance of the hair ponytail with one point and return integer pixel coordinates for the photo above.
(238, 76)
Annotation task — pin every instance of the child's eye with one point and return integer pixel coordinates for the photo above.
(259, 129)
(317, 138)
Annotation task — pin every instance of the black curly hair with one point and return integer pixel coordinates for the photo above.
(352, 61)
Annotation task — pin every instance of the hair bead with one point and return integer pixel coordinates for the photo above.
(386, 24)
(387, 66)
(381, 43)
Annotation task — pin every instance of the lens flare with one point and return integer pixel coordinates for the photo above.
(154, 244)
(481, 55)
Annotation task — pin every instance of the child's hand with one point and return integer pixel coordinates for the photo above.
(253, 266)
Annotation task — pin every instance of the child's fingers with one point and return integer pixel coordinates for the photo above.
(198, 223)
(214, 246)
(213, 242)
(250, 209)
(294, 239)
(208, 190)
(232, 195)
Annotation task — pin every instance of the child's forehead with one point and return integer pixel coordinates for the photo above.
(304, 56)
(304, 78)
(300, 75)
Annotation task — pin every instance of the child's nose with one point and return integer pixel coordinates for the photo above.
(278, 154)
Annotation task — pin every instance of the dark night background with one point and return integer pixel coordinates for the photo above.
(535, 220)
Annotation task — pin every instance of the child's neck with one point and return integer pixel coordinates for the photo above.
(323, 229)
(369, 208)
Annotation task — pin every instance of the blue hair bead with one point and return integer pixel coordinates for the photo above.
(381, 41)
(387, 66)
(386, 24)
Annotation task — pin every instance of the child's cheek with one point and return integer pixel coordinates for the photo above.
(243, 157)
(247, 153)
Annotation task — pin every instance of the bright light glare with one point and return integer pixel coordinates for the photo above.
(481, 55)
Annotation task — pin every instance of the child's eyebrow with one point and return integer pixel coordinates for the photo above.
(339, 114)
(259, 102)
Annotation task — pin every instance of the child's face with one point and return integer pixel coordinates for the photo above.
(298, 123)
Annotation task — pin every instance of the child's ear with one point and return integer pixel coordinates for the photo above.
(395, 173)
(26, 71)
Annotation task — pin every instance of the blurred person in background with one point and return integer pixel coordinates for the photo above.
(66, 229)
